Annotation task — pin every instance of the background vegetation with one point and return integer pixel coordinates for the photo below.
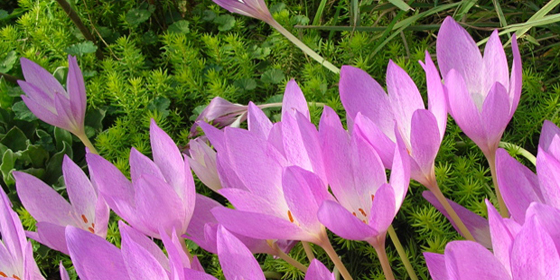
(166, 59)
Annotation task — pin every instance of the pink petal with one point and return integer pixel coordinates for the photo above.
(359, 92)
(457, 50)
(41, 78)
(340, 221)
(44, 113)
(257, 225)
(141, 240)
(63, 273)
(215, 136)
(169, 160)
(436, 266)
(383, 209)
(495, 65)
(38, 95)
(250, 202)
(52, 236)
(549, 132)
(80, 191)
(236, 260)
(383, 144)
(76, 89)
(515, 81)
(140, 263)
(294, 101)
(93, 257)
(258, 122)
(11, 229)
(470, 260)
(502, 237)
(533, 254)
(518, 184)
(548, 218)
(142, 165)
(436, 95)
(495, 116)
(42, 201)
(424, 141)
(400, 172)
(548, 170)
(318, 271)
(298, 185)
(65, 114)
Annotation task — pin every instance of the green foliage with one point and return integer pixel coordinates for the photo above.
(165, 60)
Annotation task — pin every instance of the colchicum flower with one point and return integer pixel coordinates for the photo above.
(49, 101)
(220, 113)
(16, 252)
(162, 192)
(53, 213)
(481, 94)
(520, 251)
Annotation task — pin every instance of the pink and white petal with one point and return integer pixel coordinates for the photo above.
(140, 263)
(178, 258)
(42, 201)
(424, 141)
(236, 260)
(404, 97)
(547, 142)
(65, 114)
(81, 193)
(548, 218)
(76, 89)
(502, 237)
(112, 185)
(368, 172)
(31, 270)
(548, 170)
(93, 257)
(258, 122)
(141, 240)
(294, 101)
(462, 107)
(263, 179)
(436, 95)
(470, 260)
(400, 172)
(38, 95)
(250, 202)
(41, 78)
(516, 77)
(383, 209)
(312, 142)
(192, 274)
(52, 236)
(518, 184)
(102, 214)
(457, 50)
(201, 216)
(436, 266)
(534, 254)
(495, 64)
(45, 114)
(158, 206)
(340, 221)
(318, 271)
(495, 116)
(63, 273)
(297, 184)
(142, 165)
(359, 92)
(168, 158)
(11, 229)
(477, 225)
(260, 226)
(214, 135)
(294, 146)
(228, 176)
(382, 143)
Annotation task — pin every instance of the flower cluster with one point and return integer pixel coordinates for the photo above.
(290, 181)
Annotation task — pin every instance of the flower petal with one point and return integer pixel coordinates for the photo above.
(318, 271)
(300, 187)
(141, 240)
(383, 209)
(383, 144)
(294, 101)
(424, 142)
(41, 78)
(76, 89)
(81, 193)
(495, 116)
(169, 160)
(140, 263)
(436, 266)
(236, 260)
(340, 221)
(548, 170)
(502, 237)
(52, 236)
(470, 260)
(495, 65)
(515, 80)
(258, 122)
(436, 95)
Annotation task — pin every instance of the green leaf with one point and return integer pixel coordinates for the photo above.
(8, 62)
(245, 84)
(94, 118)
(54, 165)
(4, 14)
(81, 48)
(160, 104)
(22, 112)
(136, 16)
(62, 136)
(401, 5)
(36, 155)
(272, 76)
(60, 74)
(45, 140)
(225, 22)
(181, 26)
(208, 15)
(8, 162)
(15, 139)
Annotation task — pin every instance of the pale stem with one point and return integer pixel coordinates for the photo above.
(520, 151)
(308, 250)
(272, 275)
(279, 253)
(501, 204)
(432, 185)
(304, 47)
(402, 253)
(87, 143)
(383, 259)
(327, 246)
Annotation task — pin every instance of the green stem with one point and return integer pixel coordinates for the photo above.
(279, 253)
(304, 47)
(272, 275)
(9, 78)
(308, 250)
(402, 253)
(501, 204)
(327, 246)
(87, 143)
(520, 151)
